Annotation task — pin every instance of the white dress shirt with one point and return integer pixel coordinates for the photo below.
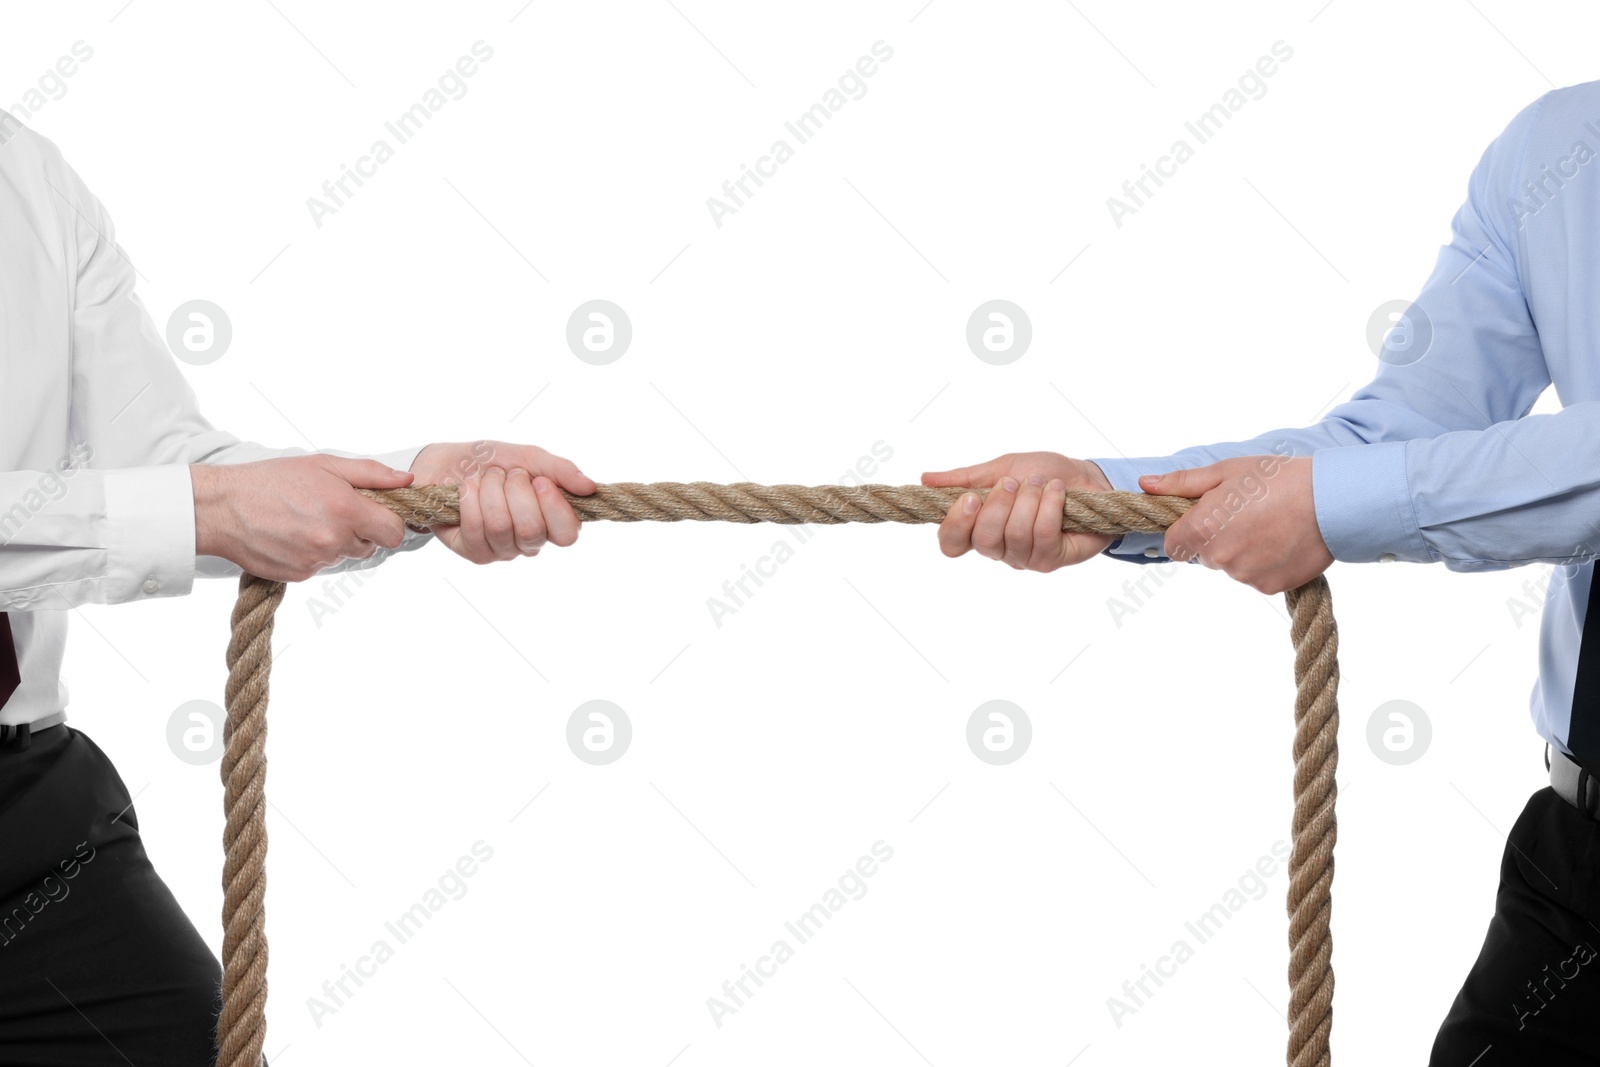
(97, 425)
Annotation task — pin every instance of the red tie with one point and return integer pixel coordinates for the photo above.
(10, 675)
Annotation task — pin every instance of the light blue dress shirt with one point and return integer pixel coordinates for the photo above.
(1437, 459)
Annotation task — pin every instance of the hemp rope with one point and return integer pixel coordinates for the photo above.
(241, 1029)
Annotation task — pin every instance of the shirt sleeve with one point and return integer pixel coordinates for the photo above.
(114, 521)
(1426, 462)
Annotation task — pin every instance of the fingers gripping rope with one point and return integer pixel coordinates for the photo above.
(241, 1029)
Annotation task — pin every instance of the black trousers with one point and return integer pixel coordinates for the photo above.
(98, 964)
(1533, 996)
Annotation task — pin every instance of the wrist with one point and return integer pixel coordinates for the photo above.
(213, 524)
(1097, 476)
(423, 459)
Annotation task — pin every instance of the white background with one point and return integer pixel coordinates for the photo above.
(826, 315)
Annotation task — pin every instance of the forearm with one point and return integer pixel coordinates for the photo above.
(1366, 418)
(1468, 359)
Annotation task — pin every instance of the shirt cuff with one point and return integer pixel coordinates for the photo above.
(1363, 504)
(1123, 474)
(149, 532)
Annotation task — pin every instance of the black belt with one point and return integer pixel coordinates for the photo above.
(19, 736)
(1572, 783)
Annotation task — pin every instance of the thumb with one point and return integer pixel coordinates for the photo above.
(1190, 482)
(982, 475)
(566, 474)
(368, 473)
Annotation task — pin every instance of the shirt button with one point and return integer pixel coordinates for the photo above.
(1152, 552)
(1387, 557)
(151, 585)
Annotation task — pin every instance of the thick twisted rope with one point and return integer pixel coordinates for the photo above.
(242, 1027)
(241, 1030)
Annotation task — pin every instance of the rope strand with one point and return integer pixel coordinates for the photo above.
(241, 1029)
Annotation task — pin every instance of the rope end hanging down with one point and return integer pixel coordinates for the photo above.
(1315, 635)
(241, 1030)
(242, 1026)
